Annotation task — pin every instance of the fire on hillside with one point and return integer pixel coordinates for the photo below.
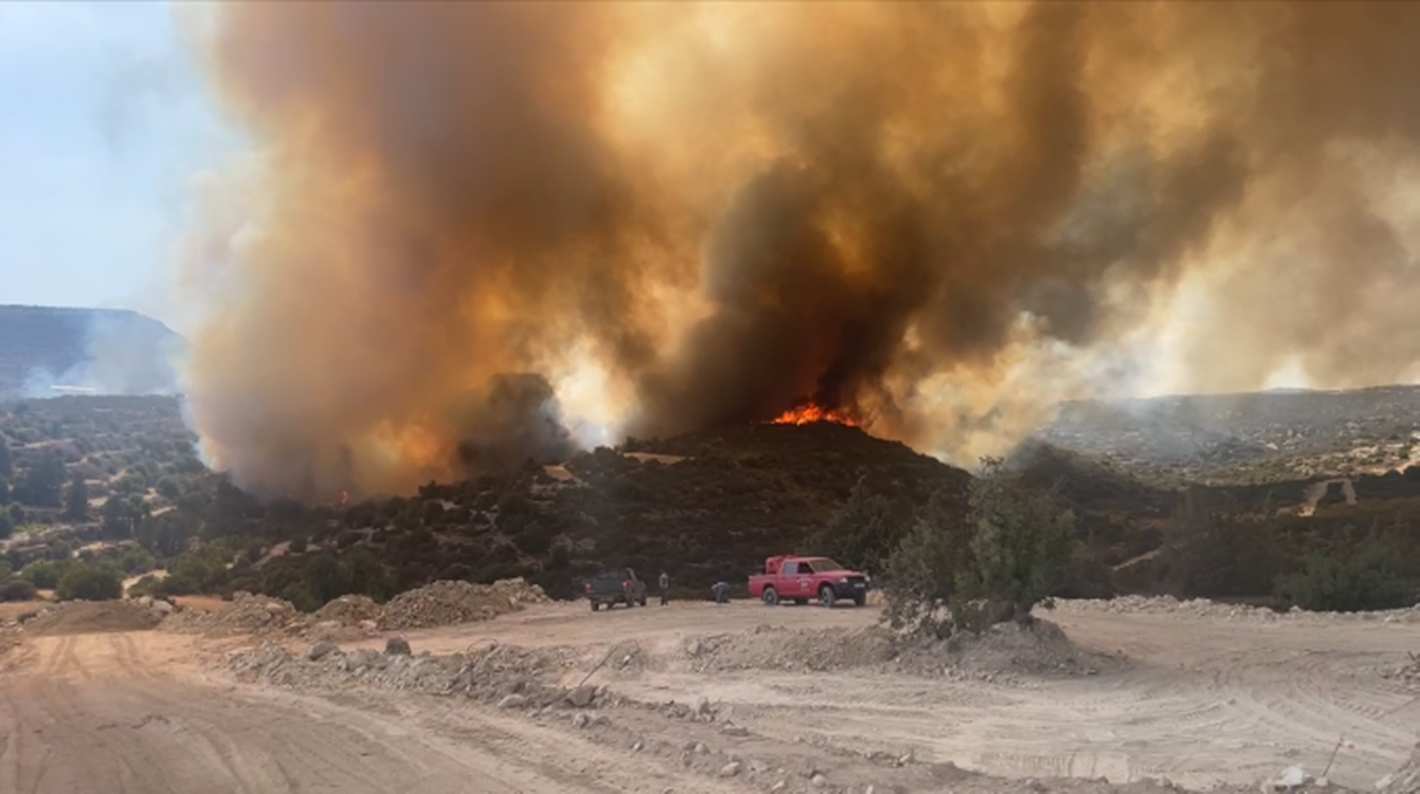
(809, 413)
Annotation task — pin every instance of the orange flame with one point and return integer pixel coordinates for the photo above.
(809, 413)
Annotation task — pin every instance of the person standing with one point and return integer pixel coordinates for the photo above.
(665, 583)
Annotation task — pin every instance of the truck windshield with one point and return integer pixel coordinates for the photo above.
(825, 564)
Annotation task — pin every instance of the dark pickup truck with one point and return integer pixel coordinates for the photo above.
(616, 586)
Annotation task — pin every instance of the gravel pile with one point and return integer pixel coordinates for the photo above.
(244, 614)
(767, 648)
(82, 617)
(449, 603)
(1203, 608)
(496, 674)
(1003, 653)
(349, 610)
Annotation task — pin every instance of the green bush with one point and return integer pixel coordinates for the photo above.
(45, 574)
(17, 590)
(1333, 582)
(1015, 549)
(90, 584)
(168, 488)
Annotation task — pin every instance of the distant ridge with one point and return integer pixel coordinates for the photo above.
(45, 351)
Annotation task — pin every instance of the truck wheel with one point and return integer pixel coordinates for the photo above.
(770, 597)
(859, 600)
(643, 599)
(826, 596)
(596, 606)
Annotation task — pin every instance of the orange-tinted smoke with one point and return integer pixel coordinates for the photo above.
(939, 217)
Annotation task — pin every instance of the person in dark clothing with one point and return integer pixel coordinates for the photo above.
(722, 592)
(665, 583)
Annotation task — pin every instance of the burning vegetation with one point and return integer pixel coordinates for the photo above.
(809, 413)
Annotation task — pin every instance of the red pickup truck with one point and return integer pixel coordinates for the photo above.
(800, 578)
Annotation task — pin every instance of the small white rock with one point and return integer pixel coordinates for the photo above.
(819, 781)
(730, 770)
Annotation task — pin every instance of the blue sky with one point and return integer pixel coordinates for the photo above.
(103, 120)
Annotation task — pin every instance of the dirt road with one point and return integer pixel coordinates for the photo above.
(128, 712)
(1199, 701)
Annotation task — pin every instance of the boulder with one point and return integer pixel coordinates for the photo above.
(397, 646)
(320, 650)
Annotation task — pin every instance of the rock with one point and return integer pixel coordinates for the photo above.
(870, 790)
(582, 696)
(702, 706)
(397, 646)
(758, 766)
(819, 781)
(512, 702)
(320, 650)
(701, 749)
(730, 770)
(1292, 777)
(580, 720)
(636, 748)
(779, 786)
(734, 730)
(163, 607)
(693, 649)
(146, 602)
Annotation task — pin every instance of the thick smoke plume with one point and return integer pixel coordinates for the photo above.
(944, 217)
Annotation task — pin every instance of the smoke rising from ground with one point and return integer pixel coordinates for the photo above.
(473, 222)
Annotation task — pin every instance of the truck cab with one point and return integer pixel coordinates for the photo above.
(800, 579)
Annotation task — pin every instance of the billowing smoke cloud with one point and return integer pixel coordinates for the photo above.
(943, 216)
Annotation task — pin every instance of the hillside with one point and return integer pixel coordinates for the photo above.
(108, 351)
(704, 506)
(1245, 438)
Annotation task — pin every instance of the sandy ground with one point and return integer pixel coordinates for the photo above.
(130, 712)
(1201, 701)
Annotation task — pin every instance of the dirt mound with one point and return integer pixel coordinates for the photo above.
(769, 648)
(490, 673)
(245, 614)
(1405, 780)
(1203, 608)
(349, 610)
(86, 617)
(1003, 652)
(448, 603)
